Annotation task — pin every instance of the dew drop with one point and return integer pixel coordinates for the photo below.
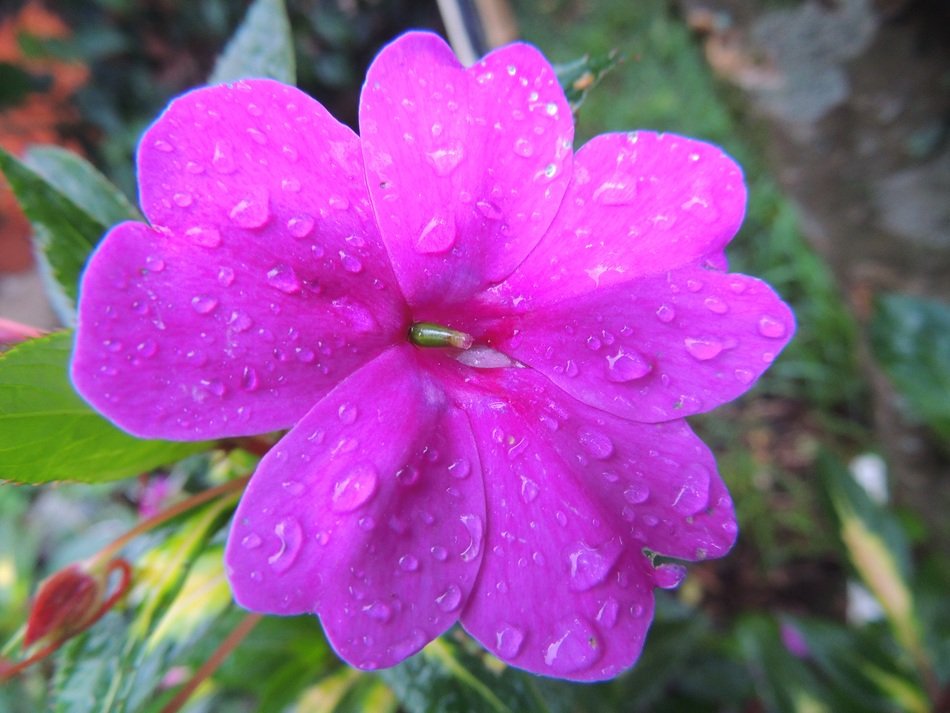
(283, 277)
(616, 192)
(669, 575)
(351, 263)
(460, 468)
(407, 475)
(203, 304)
(300, 226)
(716, 305)
(223, 157)
(589, 566)
(356, 489)
(293, 487)
(665, 314)
(378, 610)
(347, 413)
(206, 237)
(636, 493)
(744, 376)
(524, 148)
(595, 443)
(445, 160)
(439, 553)
(408, 563)
(291, 185)
(771, 327)
(529, 489)
(182, 200)
(574, 649)
(163, 146)
(489, 210)
(508, 641)
(450, 599)
(251, 212)
(593, 343)
(627, 366)
(693, 493)
(290, 536)
(251, 542)
(147, 348)
(607, 614)
(473, 524)
(703, 349)
(239, 322)
(437, 236)
(225, 276)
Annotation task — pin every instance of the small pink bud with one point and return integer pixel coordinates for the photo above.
(64, 605)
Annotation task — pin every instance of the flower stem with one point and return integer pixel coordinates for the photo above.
(233, 639)
(174, 511)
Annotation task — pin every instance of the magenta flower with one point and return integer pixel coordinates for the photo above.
(512, 459)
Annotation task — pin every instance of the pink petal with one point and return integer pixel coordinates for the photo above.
(638, 204)
(369, 512)
(264, 283)
(655, 348)
(574, 496)
(466, 167)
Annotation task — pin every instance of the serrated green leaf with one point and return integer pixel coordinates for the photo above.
(444, 677)
(910, 338)
(262, 47)
(49, 433)
(579, 77)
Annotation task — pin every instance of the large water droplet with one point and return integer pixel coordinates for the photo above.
(446, 159)
(703, 349)
(223, 157)
(408, 563)
(693, 493)
(616, 192)
(574, 649)
(669, 575)
(283, 277)
(627, 366)
(300, 226)
(252, 211)
(450, 599)
(508, 640)
(356, 489)
(437, 236)
(596, 443)
(589, 566)
(473, 524)
(290, 536)
(203, 304)
(771, 327)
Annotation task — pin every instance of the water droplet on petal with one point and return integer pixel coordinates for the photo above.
(744, 376)
(163, 146)
(203, 304)
(356, 489)
(595, 443)
(182, 200)
(291, 185)
(252, 211)
(251, 542)
(771, 328)
(284, 278)
(489, 210)
(475, 527)
(239, 322)
(716, 305)
(407, 475)
(524, 148)
(206, 237)
(347, 413)
(293, 487)
(669, 575)
(147, 348)
(589, 566)
(593, 343)
(508, 640)
(437, 236)
(529, 489)
(576, 648)
(154, 263)
(223, 158)
(450, 599)
(300, 226)
(225, 276)
(693, 493)
(636, 493)
(460, 468)
(616, 192)
(378, 610)
(408, 563)
(445, 160)
(290, 535)
(607, 614)
(627, 366)
(665, 314)
(351, 263)
(703, 349)
(439, 553)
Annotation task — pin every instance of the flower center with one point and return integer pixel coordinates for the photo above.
(429, 334)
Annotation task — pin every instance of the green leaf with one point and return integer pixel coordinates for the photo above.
(50, 433)
(910, 338)
(64, 230)
(577, 78)
(262, 47)
(81, 182)
(878, 549)
(445, 677)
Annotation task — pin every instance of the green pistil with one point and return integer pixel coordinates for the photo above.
(428, 334)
